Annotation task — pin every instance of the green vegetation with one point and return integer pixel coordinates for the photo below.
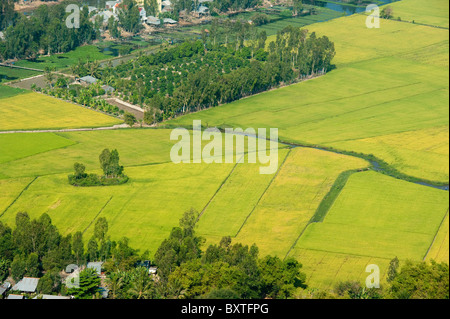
(361, 224)
(112, 170)
(36, 111)
(382, 99)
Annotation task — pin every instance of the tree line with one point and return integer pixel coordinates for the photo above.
(45, 32)
(205, 73)
(185, 268)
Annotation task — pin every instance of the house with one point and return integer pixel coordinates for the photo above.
(51, 297)
(203, 10)
(4, 288)
(152, 270)
(142, 14)
(97, 266)
(15, 297)
(108, 89)
(27, 284)
(88, 80)
(170, 21)
(153, 20)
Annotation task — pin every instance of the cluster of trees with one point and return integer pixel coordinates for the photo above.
(414, 280)
(112, 170)
(201, 74)
(35, 248)
(25, 37)
(221, 271)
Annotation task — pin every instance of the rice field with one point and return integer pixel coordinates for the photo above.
(375, 217)
(33, 111)
(439, 251)
(292, 199)
(394, 88)
(430, 12)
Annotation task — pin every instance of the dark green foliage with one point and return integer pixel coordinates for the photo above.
(421, 280)
(25, 36)
(109, 162)
(89, 282)
(129, 119)
(393, 269)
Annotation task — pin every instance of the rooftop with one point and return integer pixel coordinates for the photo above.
(27, 284)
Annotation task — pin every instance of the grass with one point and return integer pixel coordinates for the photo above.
(13, 74)
(14, 146)
(324, 14)
(7, 91)
(292, 199)
(245, 186)
(430, 12)
(439, 251)
(36, 111)
(65, 60)
(376, 217)
(387, 85)
(145, 209)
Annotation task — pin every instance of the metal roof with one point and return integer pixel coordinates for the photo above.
(88, 79)
(51, 297)
(27, 284)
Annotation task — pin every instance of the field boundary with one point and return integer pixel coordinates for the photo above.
(218, 190)
(96, 216)
(327, 201)
(18, 196)
(264, 192)
(435, 235)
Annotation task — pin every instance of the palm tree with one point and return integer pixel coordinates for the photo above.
(115, 283)
(142, 287)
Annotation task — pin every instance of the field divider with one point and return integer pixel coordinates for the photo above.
(96, 216)
(435, 235)
(18, 196)
(218, 190)
(327, 201)
(265, 190)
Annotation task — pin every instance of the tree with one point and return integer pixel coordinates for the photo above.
(92, 250)
(129, 17)
(101, 229)
(421, 280)
(79, 170)
(392, 271)
(142, 285)
(129, 119)
(109, 162)
(89, 283)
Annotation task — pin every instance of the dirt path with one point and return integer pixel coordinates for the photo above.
(115, 127)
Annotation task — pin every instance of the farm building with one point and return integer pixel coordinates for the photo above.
(108, 89)
(27, 284)
(88, 80)
(153, 20)
(4, 288)
(170, 21)
(50, 297)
